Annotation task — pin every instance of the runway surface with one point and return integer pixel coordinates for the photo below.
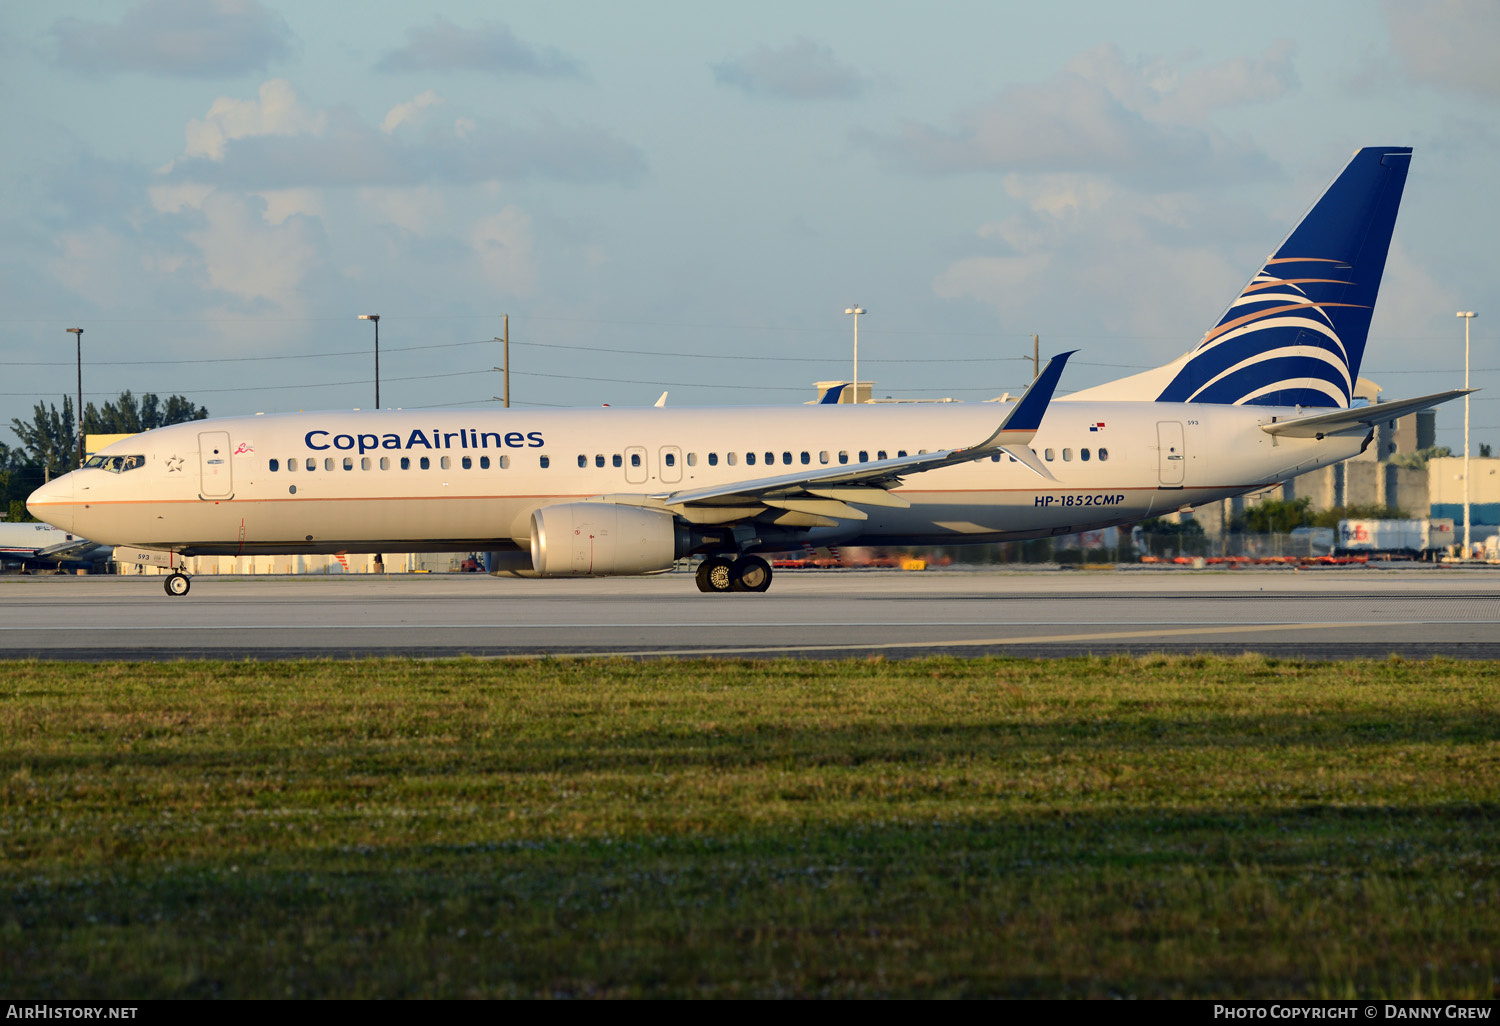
(1320, 614)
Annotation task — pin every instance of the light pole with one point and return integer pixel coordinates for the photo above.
(856, 310)
(1468, 316)
(77, 333)
(376, 319)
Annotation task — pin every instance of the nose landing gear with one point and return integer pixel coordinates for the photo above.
(722, 574)
(177, 584)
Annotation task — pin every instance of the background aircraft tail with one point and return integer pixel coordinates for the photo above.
(1296, 333)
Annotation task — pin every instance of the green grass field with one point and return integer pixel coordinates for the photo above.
(1091, 827)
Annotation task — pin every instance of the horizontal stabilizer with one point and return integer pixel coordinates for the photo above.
(1322, 424)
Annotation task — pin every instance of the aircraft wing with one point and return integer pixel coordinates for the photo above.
(1351, 419)
(67, 550)
(824, 492)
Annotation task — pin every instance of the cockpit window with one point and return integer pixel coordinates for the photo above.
(116, 464)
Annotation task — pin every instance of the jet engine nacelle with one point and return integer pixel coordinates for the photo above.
(598, 539)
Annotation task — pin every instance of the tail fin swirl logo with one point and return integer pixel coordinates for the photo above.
(1296, 333)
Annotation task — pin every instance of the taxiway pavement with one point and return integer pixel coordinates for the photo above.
(1321, 614)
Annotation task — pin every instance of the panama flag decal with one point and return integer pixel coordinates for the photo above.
(1097, 427)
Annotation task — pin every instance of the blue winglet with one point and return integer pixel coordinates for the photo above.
(1027, 414)
(832, 396)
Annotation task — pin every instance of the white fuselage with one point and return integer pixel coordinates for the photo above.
(305, 483)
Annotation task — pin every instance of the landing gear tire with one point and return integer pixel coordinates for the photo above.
(177, 584)
(751, 573)
(716, 574)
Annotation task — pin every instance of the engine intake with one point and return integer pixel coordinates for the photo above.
(600, 539)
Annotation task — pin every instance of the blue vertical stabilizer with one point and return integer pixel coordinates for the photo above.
(1296, 334)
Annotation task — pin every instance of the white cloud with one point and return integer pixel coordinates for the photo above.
(246, 257)
(801, 70)
(1450, 44)
(277, 111)
(502, 243)
(407, 113)
(1411, 300)
(1145, 121)
(276, 142)
(1091, 258)
(198, 38)
(169, 199)
(491, 48)
(418, 210)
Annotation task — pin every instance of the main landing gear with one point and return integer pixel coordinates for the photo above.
(177, 584)
(721, 574)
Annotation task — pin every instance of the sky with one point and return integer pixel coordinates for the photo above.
(686, 197)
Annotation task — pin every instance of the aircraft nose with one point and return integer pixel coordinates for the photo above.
(52, 503)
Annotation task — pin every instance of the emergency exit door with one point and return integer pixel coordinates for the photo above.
(215, 471)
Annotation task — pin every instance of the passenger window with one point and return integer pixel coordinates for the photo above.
(291, 464)
(1103, 455)
(995, 458)
(467, 462)
(598, 460)
(446, 462)
(504, 462)
(864, 455)
(731, 459)
(692, 459)
(583, 460)
(749, 459)
(880, 455)
(484, 463)
(273, 466)
(786, 458)
(406, 463)
(900, 454)
(671, 460)
(635, 459)
(348, 462)
(385, 463)
(1083, 454)
(1067, 455)
(770, 459)
(312, 464)
(424, 463)
(364, 463)
(713, 459)
(806, 458)
(823, 456)
(843, 456)
(617, 461)
(545, 463)
(327, 462)
(1048, 455)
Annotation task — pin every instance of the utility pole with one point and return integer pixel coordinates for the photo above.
(78, 334)
(376, 319)
(1036, 357)
(1468, 316)
(856, 310)
(507, 361)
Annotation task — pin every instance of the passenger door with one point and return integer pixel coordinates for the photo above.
(216, 477)
(1171, 452)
